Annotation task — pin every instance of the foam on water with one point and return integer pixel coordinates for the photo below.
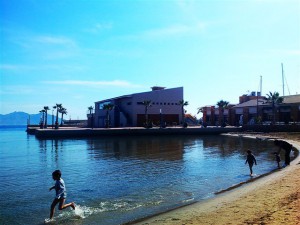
(48, 220)
(82, 212)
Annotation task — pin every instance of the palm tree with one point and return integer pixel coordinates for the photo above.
(108, 107)
(46, 108)
(183, 103)
(200, 110)
(222, 105)
(63, 112)
(42, 119)
(274, 99)
(147, 104)
(91, 108)
(57, 107)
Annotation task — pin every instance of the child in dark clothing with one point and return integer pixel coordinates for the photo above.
(277, 158)
(287, 148)
(250, 160)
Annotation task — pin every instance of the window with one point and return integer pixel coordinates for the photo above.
(101, 105)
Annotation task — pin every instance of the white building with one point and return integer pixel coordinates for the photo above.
(129, 110)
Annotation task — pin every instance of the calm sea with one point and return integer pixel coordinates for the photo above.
(114, 180)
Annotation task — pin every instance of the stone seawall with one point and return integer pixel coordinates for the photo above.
(88, 132)
(272, 128)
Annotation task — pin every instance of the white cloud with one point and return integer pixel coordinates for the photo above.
(53, 40)
(114, 83)
(176, 30)
(98, 27)
(14, 67)
(42, 68)
(292, 52)
(186, 5)
(17, 90)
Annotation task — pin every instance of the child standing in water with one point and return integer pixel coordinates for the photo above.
(61, 194)
(250, 160)
(277, 156)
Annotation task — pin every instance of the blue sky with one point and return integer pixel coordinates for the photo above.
(79, 52)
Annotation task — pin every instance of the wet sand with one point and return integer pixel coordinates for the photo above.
(273, 199)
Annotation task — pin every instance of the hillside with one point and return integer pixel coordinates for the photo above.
(22, 118)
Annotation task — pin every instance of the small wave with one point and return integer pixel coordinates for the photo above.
(80, 212)
(124, 205)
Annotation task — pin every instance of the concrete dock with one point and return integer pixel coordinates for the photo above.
(71, 132)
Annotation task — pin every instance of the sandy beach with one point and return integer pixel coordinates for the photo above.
(273, 199)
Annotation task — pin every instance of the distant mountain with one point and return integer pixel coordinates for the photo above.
(22, 118)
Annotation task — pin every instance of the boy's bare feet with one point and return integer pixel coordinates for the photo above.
(73, 205)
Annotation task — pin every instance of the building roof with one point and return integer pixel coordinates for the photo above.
(155, 88)
(291, 99)
(111, 99)
(251, 103)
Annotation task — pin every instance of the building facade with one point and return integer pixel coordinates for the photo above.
(255, 109)
(130, 110)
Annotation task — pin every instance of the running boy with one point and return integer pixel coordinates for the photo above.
(250, 160)
(61, 193)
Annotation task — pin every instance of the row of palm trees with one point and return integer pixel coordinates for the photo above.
(59, 109)
(272, 98)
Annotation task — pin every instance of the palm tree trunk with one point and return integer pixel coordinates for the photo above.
(107, 119)
(56, 120)
(46, 118)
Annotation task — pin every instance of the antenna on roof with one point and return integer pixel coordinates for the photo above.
(282, 79)
(260, 88)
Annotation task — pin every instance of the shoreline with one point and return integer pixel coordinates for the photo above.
(257, 201)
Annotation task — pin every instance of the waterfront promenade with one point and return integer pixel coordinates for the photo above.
(70, 132)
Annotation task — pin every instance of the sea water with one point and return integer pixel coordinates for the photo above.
(114, 180)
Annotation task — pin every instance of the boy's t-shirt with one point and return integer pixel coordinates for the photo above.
(60, 189)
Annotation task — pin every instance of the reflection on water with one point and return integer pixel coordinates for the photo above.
(163, 148)
(118, 179)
